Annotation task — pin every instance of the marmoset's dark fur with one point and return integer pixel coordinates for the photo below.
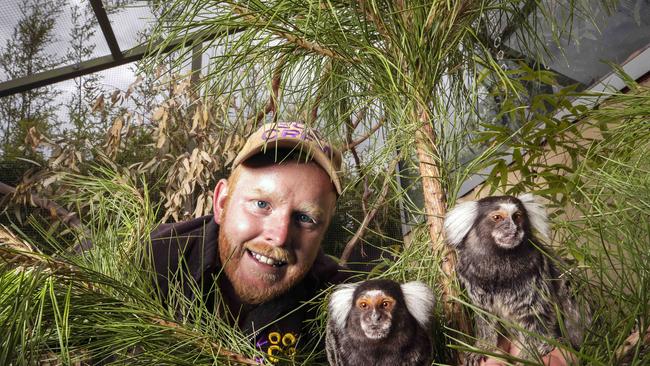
(380, 322)
(510, 274)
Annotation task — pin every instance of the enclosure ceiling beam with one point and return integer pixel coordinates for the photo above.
(105, 25)
(45, 78)
(26, 83)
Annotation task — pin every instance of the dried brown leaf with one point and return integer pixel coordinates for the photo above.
(99, 103)
(205, 156)
(116, 129)
(51, 179)
(9, 240)
(158, 113)
(115, 96)
(33, 138)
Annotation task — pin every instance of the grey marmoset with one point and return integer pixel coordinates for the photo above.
(508, 272)
(380, 322)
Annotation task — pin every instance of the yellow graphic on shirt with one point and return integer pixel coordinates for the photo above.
(281, 346)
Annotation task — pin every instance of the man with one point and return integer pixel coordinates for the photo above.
(270, 217)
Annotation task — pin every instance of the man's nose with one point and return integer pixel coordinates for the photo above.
(277, 229)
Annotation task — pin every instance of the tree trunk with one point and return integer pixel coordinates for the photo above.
(435, 203)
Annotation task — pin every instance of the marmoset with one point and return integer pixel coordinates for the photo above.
(508, 272)
(380, 322)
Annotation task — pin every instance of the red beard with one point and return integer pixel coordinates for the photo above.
(275, 283)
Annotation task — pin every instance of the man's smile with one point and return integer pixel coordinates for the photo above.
(266, 260)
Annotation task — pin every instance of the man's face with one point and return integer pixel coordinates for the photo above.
(272, 222)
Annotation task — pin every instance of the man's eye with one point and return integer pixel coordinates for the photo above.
(305, 219)
(262, 204)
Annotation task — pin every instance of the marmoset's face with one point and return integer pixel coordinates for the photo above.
(505, 221)
(272, 221)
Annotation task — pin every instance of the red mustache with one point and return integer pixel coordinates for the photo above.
(278, 254)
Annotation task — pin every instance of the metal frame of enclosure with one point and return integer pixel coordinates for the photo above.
(118, 57)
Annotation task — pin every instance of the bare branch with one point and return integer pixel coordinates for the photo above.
(347, 251)
(272, 104)
(359, 116)
(55, 210)
(435, 203)
(314, 108)
(357, 163)
(352, 144)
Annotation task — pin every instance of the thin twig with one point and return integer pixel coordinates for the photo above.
(359, 116)
(369, 14)
(371, 215)
(352, 144)
(314, 109)
(319, 96)
(350, 126)
(272, 104)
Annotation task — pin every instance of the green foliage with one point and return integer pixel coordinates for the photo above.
(561, 135)
(349, 68)
(101, 303)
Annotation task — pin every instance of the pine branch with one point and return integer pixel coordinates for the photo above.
(303, 43)
(21, 256)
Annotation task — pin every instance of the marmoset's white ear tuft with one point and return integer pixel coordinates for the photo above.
(419, 300)
(536, 214)
(341, 303)
(459, 221)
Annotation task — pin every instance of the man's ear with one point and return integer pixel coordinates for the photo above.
(219, 200)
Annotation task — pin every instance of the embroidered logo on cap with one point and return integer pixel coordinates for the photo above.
(295, 130)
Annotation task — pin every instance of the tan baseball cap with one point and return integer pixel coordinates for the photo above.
(294, 135)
